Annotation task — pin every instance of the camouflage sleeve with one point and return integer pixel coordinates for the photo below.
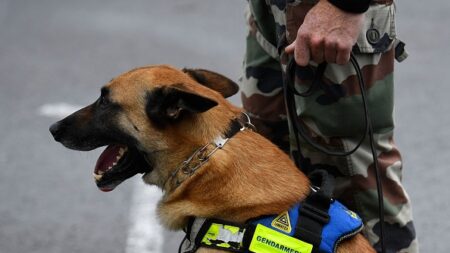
(358, 6)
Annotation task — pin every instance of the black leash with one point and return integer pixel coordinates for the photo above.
(289, 93)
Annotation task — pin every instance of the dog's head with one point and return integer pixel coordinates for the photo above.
(144, 115)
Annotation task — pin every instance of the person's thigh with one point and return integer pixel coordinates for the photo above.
(261, 84)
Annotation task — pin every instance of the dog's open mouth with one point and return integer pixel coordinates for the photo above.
(118, 163)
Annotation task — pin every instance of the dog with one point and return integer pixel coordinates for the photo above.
(153, 118)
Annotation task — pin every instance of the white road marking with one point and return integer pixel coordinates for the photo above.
(58, 110)
(145, 234)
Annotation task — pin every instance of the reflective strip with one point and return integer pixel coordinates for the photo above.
(223, 236)
(266, 240)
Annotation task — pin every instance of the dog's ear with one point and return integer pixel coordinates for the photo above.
(214, 81)
(171, 103)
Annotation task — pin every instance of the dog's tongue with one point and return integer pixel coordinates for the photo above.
(107, 159)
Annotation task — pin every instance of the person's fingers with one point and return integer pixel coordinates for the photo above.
(343, 53)
(330, 52)
(302, 52)
(290, 48)
(316, 45)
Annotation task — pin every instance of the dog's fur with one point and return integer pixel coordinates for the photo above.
(166, 114)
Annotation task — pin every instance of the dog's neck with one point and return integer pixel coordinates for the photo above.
(250, 177)
(202, 154)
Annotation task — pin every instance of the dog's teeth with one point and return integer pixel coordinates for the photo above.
(97, 177)
(110, 167)
(100, 172)
(123, 150)
(114, 164)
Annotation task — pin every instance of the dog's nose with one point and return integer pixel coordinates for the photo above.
(56, 131)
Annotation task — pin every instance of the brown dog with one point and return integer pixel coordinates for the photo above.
(154, 118)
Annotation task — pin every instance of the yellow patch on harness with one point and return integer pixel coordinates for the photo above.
(282, 222)
(266, 240)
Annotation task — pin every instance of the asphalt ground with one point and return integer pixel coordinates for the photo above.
(54, 51)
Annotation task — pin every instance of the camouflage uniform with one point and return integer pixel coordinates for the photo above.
(334, 115)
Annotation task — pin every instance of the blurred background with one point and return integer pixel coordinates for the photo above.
(56, 54)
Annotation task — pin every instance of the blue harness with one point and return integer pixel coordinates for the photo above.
(343, 223)
(316, 225)
(276, 233)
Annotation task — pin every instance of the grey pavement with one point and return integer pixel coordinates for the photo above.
(422, 117)
(55, 51)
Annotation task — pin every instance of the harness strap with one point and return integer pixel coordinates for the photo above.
(313, 215)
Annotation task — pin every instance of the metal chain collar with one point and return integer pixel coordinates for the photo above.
(201, 155)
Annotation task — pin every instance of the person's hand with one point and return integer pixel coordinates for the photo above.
(327, 34)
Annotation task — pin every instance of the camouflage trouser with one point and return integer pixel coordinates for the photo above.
(334, 114)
